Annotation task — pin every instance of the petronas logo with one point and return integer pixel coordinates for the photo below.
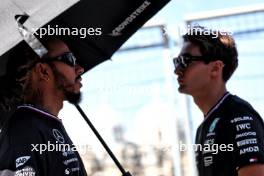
(213, 124)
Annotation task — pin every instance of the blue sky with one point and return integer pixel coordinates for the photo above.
(177, 9)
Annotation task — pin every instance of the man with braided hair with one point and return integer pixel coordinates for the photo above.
(30, 138)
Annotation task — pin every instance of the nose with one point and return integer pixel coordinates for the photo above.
(177, 66)
(178, 70)
(79, 69)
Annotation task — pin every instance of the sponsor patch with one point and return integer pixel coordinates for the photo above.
(21, 160)
(243, 126)
(251, 133)
(208, 160)
(75, 169)
(253, 160)
(26, 171)
(246, 142)
(117, 31)
(66, 162)
(249, 150)
(67, 153)
(67, 171)
(239, 119)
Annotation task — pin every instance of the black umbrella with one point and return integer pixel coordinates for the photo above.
(109, 24)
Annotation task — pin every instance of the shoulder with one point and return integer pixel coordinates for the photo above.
(238, 118)
(236, 109)
(23, 119)
(22, 126)
(28, 123)
(32, 117)
(239, 105)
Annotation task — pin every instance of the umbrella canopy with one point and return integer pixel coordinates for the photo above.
(93, 29)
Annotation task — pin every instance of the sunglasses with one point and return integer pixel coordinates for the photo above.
(183, 61)
(67, 58)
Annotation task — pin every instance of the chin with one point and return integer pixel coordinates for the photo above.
(77, 88)
(182, 89)
(77, 91)
(79, 85)
(73, 97)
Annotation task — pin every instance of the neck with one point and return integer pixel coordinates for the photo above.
(48, 108)
(48, 102)
(207, 99)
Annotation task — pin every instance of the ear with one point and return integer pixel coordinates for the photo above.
(43, 71)
(217, 68)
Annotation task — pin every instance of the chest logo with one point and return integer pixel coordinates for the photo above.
(213, 124)
(21, 160)
(58, 136)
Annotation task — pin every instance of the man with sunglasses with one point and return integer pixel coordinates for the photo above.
(204, 65)
(33, 141)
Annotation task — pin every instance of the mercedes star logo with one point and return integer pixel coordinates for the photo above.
(58, 136)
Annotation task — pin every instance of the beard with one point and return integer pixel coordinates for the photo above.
(65, 86)
(73, 98)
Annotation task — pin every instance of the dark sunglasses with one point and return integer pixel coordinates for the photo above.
(68, 58)
(183, 61)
